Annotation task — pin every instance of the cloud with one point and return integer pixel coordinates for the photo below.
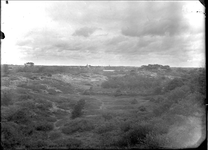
(155, 28)
(115, 40)
(122, 33)
(158, 20)
(85, 31)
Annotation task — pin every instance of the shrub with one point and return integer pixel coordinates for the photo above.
(178, 93)
(10, 137)
(107, 116)
(69, 143)
(87, 92)
(107, 127)
(37, 144)
(191, 104)
(27, 131)
(54, 135)
(134, 101)
(77, 111)
(52, 91)
(118, 93)
(108, 140)
(92, 103)
(5, 70)
(177, 82)
(6, 98)
(21, 116)
(131, 82)
(142, 108)
(163, 108)
(77, 125)
(44, 126)
(23, 97)
(43, 102)
(134, 136)
(73, 143)
(27, 104)
(126, 126)
(150, 142)
(159, 99)
(157, 90)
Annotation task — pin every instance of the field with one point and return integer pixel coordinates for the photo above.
(79, 107)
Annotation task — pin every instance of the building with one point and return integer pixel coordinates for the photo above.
(30, 64)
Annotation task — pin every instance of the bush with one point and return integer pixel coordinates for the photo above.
(197, 81)
(21, 116)
(131, 82)
(54, 135)
(159, 99)
(73, 143)
(69, 143)
(37, 144)
(107, 127)
(178, 94)
(92, 103)
(142, 108)
(10, 137)
(107, 140)
(44, 126)
(27, 131)
(177, 82)
(77, 125)
(126, 126)
(134, 101)
(27, 104)
(163, 108)
(24, 97)
(6, 98)
(118, 93)
(157, 90)
(134, 136)
(191, 104)
(5, 70)
(77, 111)
(151, 141)
(107, 116)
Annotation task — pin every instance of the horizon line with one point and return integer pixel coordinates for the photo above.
(100, 65)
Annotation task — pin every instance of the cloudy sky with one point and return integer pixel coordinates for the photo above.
(104, 33)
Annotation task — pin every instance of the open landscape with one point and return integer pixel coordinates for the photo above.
(103, 74)
(99, 107)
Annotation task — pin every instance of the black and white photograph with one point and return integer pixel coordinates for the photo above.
(103, 74)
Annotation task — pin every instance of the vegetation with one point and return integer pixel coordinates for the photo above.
(5, 70)
(6, 98)
(77, 112)
(77, 125)
(46, 107)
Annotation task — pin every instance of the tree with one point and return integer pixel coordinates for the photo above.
(77, 112)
